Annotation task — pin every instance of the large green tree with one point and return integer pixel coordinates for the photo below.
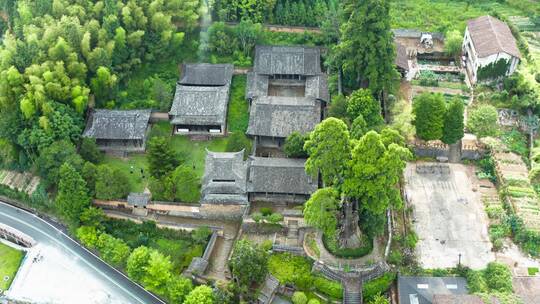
(361, 102)
(72, 196)
(321, 210)
(375, 171)
(111, 183)
(366, 49)
(249, 263)
(453, 129)
(161, 157)
(429, 110)
(329, 149)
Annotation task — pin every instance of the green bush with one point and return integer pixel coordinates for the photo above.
(349, 253)
(299, 298)
(498, 277)
(377, 286)
(428, 78)
(266, 211)
(296, 270)
(476, 281)
(329, 288)
(395, 257)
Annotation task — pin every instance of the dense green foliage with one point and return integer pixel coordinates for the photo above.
(294, 145)
(238, 113)
(59, 53)
(453, 128)
(429, 110)
(238, 142)
(249, 263)
(72, 196)
(296, 270)
(321, 210)
(286, 12)
(482, 121)
(493, 70)
(362, 103)
(372, 289)
(162, 159)
(366, 49)
(328, 147)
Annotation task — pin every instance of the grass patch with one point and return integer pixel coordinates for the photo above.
(138, 161)
(238, 115)
(442, 15)
(533, 271)
(10, 261)
(296, 270)
(312, 245)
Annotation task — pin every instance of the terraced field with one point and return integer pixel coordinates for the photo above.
(512, 173)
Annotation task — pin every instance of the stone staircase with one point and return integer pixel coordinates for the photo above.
(352, 297)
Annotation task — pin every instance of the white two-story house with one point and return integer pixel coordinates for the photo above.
(488, 40)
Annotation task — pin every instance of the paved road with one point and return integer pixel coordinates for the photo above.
(45, 233)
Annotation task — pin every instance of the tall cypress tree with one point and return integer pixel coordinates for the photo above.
(366, 51)
(453, 122)
(73, 195)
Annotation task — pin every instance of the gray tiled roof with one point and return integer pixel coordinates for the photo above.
(257, 85)
(224, 178)
(117, 124)
(206, 74)
(279, 175)
(198, 105)
(420, 290)
(280, 116)
(491, 36)
(287, 60)
(202, 95)
(138, 199)
(317, 87)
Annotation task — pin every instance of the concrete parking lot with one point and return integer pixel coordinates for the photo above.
(448, 216)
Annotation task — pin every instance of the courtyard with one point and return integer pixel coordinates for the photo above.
(448, 215)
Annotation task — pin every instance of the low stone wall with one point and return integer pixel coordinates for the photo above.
(197, 211)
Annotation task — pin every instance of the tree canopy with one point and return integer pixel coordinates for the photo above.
(72, 196)
(329, 149)
(429, 110)
(366, 49)
(483, 121)
(249, 263)
(321, 210)
(453, 129)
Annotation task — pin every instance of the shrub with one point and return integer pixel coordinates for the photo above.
(201, 234)
(329, 288)
(483, 121)
(395, 257)
(378, 286)
(294, 145)
(428, 78)
(313, 301)
(299, 298)
(275, 218)
(266, 211)
(476, 281)
(498, 277)
(332, 245)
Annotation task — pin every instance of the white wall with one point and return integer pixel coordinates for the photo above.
(476, 62)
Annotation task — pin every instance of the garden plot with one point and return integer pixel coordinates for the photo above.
(448, 216)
